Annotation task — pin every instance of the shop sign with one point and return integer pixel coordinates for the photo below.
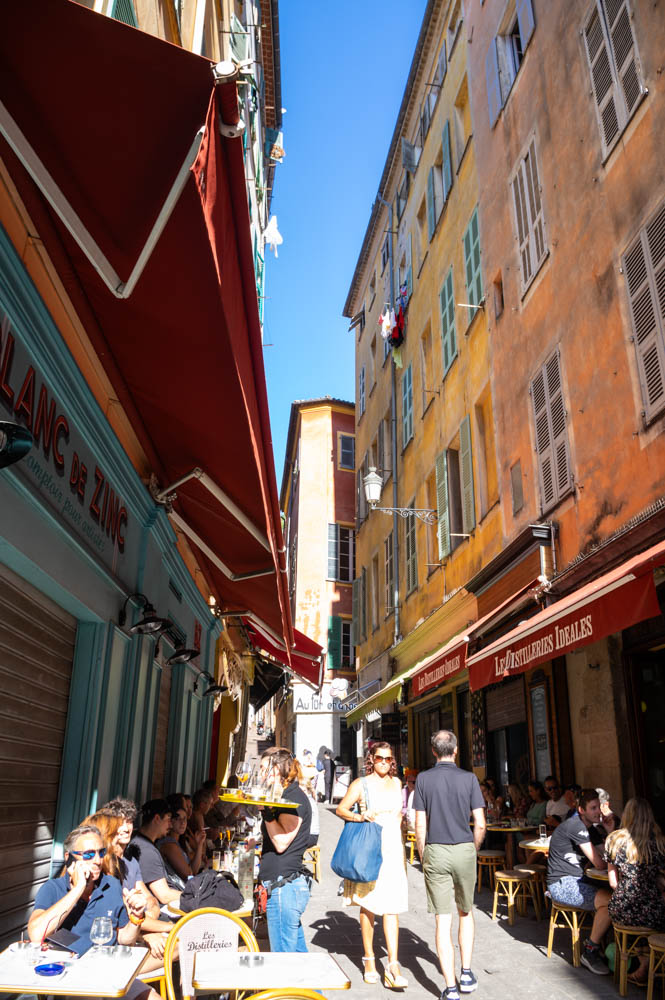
(322, 703)
(439, 671)
(631, 602)
(61, 468)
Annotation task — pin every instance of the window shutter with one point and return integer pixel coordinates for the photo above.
(442, 65)
(409, 267)
(239, 39)
(442, 512)
(519, 195)
(493, 83)
(543, 440)
(535, 204)
(431, 212)
(525, 21)
(361, 390)
(644, 267)
(123, 10)
(466, 470)
(557, 410)
(447, 162)
(334, 661)
(363, 604)
(624, 51)
(355, 612)
(380, 447)
(361, 507)
(474, 285)
(333, 552)
(609, 105)
(448, 338)
(409, 157)
(551, 432)
(407, 406)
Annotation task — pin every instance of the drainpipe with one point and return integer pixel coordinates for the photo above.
(393, 420)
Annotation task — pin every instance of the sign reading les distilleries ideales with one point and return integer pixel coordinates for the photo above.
(628, 601)
(441, 669)
(61, 468)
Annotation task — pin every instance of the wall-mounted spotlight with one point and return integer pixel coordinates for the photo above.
(182, 655)
(15, 443)
(150, 624)
(215, 689)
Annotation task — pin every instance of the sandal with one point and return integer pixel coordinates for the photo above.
(633, 978)
(394, 981)
(369, 975)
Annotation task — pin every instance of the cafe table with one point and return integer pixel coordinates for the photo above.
(542, 846)
(597, 873)
(509, 830)
(110, 975)
(315, 970)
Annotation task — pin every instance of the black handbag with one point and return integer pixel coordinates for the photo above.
(210, 888)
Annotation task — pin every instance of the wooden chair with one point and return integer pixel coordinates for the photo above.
(573, 917)
(656, 962)
(410, 844)
(312, 858)
(222, 924)
(517, 887)
(539, 872)
(489, 861)
(626, 943)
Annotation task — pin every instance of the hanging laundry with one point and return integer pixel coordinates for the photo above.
(397, 357)
(384, 323)
(272, 235)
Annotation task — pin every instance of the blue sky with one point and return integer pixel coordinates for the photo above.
(344, 68)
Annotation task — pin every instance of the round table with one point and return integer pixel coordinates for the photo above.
(542, 846)
(509, 830)
(597, 873)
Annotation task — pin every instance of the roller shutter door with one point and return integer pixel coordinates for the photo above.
(36, 654)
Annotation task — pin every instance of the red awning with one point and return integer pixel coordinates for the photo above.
(624, 596)
(305, 654)
(102, 125)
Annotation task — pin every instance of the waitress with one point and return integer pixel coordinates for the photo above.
(286, 835)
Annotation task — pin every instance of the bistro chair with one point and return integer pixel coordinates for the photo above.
(490, 862)
(410, 844)
(539, 872)
(225, 927)
(517, 888)
(626, 945)
(286, 994)
(156, 978)
(656, 963)
(573, 917)
(312, 858)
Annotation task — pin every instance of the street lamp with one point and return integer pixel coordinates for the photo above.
(373, 484)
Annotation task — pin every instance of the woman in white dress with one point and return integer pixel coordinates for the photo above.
(377, 798)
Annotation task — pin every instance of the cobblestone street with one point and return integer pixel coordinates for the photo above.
(508, 961)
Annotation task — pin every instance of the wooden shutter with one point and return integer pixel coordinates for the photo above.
(123, 10)
(535, 204)
(543, 440)
(334, 661)
(557, 409)
(442, 65)
(388, 577)
(363, 604)
(474, 285)
(431, 211)
(551, 432)
(407, 406)
(609, 104)
(525, 21)
(381, 451)
(493, 82)
(522, 218)
(448, 337)
(355, 612)
(333, 551)
(409, 156)
(409, 267)
(447, 168)
(529, 215)
(466, 470)
(644, 267)
(442, 509)
(361, 390)
(624, 51)
(239, 39)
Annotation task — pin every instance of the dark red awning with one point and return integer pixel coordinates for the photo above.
(305, 655)
(112, 115)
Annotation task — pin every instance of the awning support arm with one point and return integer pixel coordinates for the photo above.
(213, 557)
(53, 194)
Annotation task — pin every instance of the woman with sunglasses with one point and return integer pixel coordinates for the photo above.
(377, 798)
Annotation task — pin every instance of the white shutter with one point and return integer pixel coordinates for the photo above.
(466, 470)
(333, 551)
(624, 51)
(644, 267)
(543, 440)
(443, 515)
(529, 215)
(551, 432)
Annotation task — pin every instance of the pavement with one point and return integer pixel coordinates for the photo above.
(510, 962)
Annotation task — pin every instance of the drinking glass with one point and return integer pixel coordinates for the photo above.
(243, 771)
(216, 861)
(101, 933)
(542, 831)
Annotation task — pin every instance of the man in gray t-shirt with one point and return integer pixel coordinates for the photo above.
(444, 800)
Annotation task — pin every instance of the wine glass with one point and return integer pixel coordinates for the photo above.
(243, 771)
(101, 932)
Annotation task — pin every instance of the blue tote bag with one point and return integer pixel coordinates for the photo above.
(358, 853)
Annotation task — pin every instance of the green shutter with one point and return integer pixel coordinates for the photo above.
(447, 161)
(407, 406)
(123, 10)
(466, 471)
(448, 335)
(443, 517)
(334, 661)
(431, 217)
(474, 284)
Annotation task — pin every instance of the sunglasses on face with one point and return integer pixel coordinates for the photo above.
(89, 855)
(378, 757)
(551, 788)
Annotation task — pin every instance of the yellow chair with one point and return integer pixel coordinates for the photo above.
(286, 994)
(656, 960)
(489, 861)
(516, 887)
(626, 944)
(312, 858)
(212, 921)
(410, 844)
(575, 919)
(156, 978)
(539, 872)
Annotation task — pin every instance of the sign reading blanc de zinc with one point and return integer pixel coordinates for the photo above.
(62, 468)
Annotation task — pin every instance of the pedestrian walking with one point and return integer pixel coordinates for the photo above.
(378, 798)
(444, 798)
(329, 775)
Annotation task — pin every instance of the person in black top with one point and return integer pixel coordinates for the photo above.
(329, 775)
(286, 835)
(155, 823)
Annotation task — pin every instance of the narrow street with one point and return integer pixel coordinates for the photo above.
(509, 962)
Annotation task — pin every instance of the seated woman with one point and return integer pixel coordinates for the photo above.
(535, 814)
(519, 803)
(571, 794)
(635, 854)
(174, 851)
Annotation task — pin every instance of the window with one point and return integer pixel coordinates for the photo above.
(346, 456)
(644, 267)
(348, 649)
(506, 53)
(529, 216)
(404, 273)
(615, 70)
(422, 232)
(432, 539)
(446, 155)
(552, 451)
(402, 195)
(462, 123)
(441, 68)
(456, 512)
(341, 553)
(454, 25)
(361, 391)
(361, 504)
(385, 253)
(474, 281)
(410, 554)
(448, 336)
(407, 406)
(375, 593)
(372, 291)
(426, 368)
(516, 487)
(389, 574)
(488, 486)
(360, 608)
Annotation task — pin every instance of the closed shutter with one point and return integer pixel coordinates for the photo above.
(409, 267)
(448, 337)
(505, 705)
(36, 652)
(407, 406)
(624, 50)
(363, 604)
(442, 511)
(644, 267)
(551, 433)
(333, 552)
(431, 211)
(466, 469)
(474, 283)
(493, 83)
(529, 215)
(409, 156)
(381, 451)
(355, 612)
(334, 661)
(123, 10)
(447, 166)
(161, 735)
(525, 21)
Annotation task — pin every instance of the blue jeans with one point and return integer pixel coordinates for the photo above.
(285, 907)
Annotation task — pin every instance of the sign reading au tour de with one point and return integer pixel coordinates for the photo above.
(61, 467)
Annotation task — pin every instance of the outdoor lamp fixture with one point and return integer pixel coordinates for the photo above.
(215, 689)
(15, 443)
(182, 655)
(542, 532)
(373, 484)
(150, 624)
(208, 677)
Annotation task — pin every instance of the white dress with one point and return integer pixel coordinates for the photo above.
(389, 894)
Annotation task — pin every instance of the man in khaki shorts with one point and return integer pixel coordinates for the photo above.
(444, 799)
